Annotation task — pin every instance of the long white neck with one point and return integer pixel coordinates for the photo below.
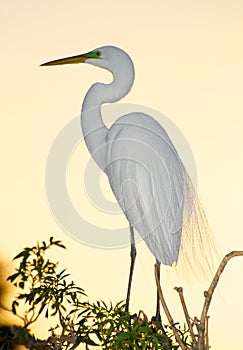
(94, 130)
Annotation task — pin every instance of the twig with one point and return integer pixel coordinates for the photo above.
(166, 310)
(5, 308)
(208, 296)
(142, 316)
(209, 293)
(206, 334)
(10, 310)
(188, 320)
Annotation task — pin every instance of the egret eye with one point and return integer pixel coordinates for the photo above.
(98, 53)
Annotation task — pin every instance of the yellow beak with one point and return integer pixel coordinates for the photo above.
(67, 60)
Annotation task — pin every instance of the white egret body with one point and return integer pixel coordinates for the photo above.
(144, 169)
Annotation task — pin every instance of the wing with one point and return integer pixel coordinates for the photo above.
(148, 180)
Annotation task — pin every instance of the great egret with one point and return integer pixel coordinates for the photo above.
(144, 169)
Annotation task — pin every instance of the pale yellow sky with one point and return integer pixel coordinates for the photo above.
(188, 58)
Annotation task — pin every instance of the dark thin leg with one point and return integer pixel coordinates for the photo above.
(157, 316)
(133, 257)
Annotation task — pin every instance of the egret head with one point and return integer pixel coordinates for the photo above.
(108, 57)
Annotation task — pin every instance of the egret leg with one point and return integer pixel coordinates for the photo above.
(157, 315)
(133, 257)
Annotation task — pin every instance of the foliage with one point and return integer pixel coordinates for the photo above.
(46, 291)
(118, 329)
(6, 338)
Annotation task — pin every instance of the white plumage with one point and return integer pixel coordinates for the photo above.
(147, 178)
(144, 169)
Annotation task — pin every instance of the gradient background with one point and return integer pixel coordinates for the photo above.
(188, 58)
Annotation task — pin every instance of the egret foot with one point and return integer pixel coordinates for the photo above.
(157, 318)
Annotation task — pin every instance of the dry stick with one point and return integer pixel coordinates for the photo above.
(188, 320)
(166, 310)
(206, 333)
(142, 314)
(196, 322)
(10, 310)
(209, 293)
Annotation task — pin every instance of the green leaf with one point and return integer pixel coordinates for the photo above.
(25, 253)
(14, 304)
(21, 285)
(13, 277)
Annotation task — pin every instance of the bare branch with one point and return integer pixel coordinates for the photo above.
(206, 334)
(188, 319)
(10, 310)
(209, 294)
(142, 316)
(166, 310)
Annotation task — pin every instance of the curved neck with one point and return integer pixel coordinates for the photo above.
(94, 130)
